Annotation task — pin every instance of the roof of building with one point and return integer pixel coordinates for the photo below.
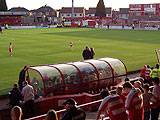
(69, 10)
(93, 10)
(18, 9)
(124, 10)
(45, 9)
(33, 10)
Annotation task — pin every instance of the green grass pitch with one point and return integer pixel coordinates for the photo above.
(49, 46)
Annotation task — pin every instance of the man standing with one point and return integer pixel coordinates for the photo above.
(86, 53)
(15, 96)
(112, 106)
(1, 31)
(72, 113)
(133, 26)
(28, 96)
(92, 53)
(22, 76)
(134, 102)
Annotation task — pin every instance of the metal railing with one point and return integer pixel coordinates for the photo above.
(59, 113)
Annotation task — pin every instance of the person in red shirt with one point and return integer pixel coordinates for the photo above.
(119, 92)
(138, 84)
(147, 95)
(112, 106)
(134, 102)
(145, 74)
(142, 72)
(155, 110)
(10, 49)
(147, 78)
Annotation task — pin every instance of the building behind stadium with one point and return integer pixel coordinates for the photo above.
(139, 14)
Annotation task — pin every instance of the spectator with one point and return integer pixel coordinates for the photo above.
(22, 76)
(119, 92)
(155, 72)
(138, 84)
(156, 99)
(72, 113)
(15, 96)
(134, 102)
(142, 72)
(28, 94)
(145, 74)
(86, 53)
(37, 90)
(92, 53)
(147, 78)
(104, 93)
(113, 107)
(146, 101)
(16, 113)
(141, 80)
(51, 115)
(126, 79)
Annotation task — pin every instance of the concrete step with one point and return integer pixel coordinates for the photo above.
(91, 115)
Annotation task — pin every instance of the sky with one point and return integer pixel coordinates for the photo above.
(57, 4)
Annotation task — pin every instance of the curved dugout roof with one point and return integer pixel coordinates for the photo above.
(49, 76)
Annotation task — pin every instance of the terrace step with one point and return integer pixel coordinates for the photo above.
(91, 115)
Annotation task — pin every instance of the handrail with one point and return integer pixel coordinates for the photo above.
(60, 111)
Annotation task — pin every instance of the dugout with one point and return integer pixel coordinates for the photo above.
(76, 77)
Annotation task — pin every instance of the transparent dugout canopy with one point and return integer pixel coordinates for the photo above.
(70, 73)
(47, 77)
(118, 66)
(103, 68)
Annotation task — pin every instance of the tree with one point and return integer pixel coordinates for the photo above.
(3, 5)
(100, 9)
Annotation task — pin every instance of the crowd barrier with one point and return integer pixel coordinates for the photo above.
(59, 113)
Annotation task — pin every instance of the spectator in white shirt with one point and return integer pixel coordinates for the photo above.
(28, 96)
